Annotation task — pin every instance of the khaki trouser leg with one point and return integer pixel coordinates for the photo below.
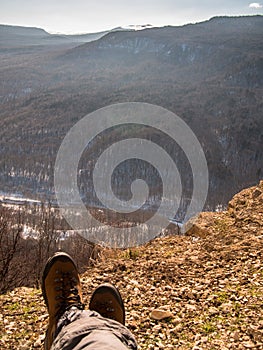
(83, 329)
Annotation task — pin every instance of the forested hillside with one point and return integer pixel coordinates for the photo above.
(210, 74)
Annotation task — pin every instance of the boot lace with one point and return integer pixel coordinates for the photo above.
(105, 309)
(67, 292)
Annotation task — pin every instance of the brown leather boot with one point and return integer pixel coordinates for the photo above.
(107, 301)
(61, 290)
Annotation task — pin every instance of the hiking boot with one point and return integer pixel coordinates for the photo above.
(61, 290)
(107, 301)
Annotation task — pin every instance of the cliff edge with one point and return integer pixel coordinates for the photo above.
(200, 291)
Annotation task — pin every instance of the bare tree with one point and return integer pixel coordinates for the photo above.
(10, 238)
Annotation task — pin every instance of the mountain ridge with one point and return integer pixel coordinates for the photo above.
(20, 36)
(22, 30)
(178, 33)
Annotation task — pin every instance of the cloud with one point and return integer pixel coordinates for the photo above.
(255, 5)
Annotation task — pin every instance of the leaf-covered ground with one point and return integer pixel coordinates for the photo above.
(209, 282)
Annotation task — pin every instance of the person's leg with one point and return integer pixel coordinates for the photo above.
(70, 326)
(88, 330)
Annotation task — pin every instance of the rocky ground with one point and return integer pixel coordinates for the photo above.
(200, 291)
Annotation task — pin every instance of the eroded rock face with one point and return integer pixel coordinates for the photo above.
(245, 212)
(247, 206)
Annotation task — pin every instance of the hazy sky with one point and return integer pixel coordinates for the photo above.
(78, 16)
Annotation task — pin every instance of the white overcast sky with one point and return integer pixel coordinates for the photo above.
(86, 16)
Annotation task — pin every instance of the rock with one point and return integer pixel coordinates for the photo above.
(38, 343)
(177, 320)
(213, 310)
(190, 307)
(159, 315)
(249, 345)
(236, 336)
(226, 308)
(177, 329)
(256, 193)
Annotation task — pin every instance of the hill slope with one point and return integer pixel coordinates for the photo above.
(210, 74)
(210, 282)
(24, 37)
(17, 36)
